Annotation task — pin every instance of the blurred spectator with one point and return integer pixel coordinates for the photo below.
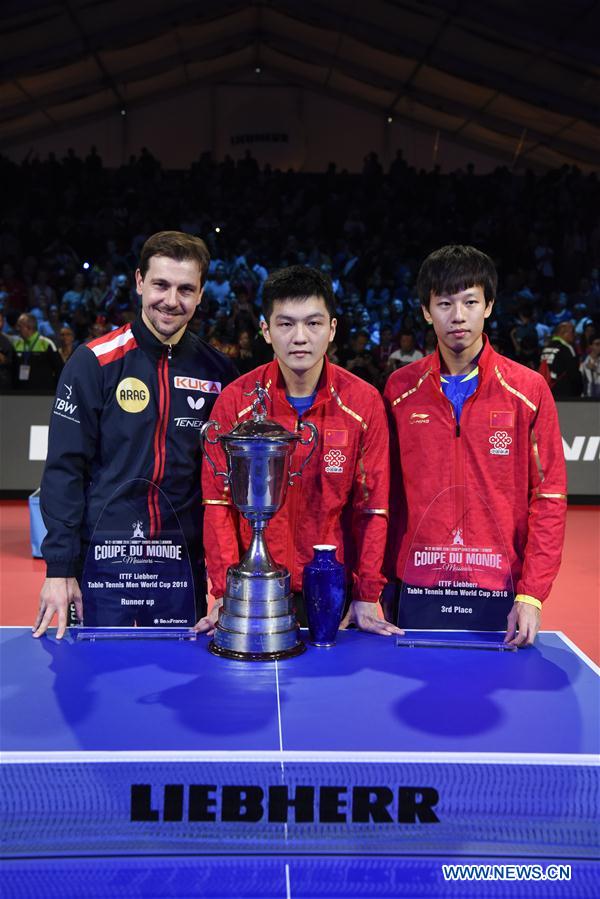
(41, 294)
(12, 290)
(369, 231)
(408, 351)
(51, 324)
(585, 332)
(559, 363)
(99, 327)
(524, 338)
(120, 303)
(590, 370)
(217, 287)
(7, 355)
(102, 292)
(243, 314)
(360, 361)
(429, 342)
(66, 343)
(79, 296)
(387, 345)
(37, 362)
(246, 358)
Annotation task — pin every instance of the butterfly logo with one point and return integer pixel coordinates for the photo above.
(195, 404)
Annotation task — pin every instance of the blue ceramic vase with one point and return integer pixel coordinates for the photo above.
(324, 588)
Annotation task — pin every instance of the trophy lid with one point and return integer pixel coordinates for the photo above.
(263, 429)
(259, 427)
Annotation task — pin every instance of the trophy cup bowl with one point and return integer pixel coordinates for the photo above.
(257, 621)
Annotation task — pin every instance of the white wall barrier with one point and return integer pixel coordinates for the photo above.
(24, 440)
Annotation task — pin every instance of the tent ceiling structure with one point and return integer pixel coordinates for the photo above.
(504, 76)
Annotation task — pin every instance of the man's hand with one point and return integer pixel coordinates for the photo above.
(364, 616)
(207, 624)
(55, 596)
(526, 619)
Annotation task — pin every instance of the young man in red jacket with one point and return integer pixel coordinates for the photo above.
(341, 497)
(481, 472)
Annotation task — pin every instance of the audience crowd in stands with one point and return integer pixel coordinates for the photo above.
(71, 231)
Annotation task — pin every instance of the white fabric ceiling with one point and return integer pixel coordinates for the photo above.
(495, 76)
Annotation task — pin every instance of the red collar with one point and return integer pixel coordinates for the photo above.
(484, 362)
(274, 382)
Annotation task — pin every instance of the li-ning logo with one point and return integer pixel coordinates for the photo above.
(500, 442)
(334, 459)
(419, 418)
(195, 404)
(137, 530)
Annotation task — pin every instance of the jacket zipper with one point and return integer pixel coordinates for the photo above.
(296, 490)
(459, 468)
(159, 443)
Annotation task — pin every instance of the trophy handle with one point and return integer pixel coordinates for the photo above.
(204, 439)
(311, 439)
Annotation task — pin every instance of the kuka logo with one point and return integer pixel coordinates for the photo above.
(196, 384)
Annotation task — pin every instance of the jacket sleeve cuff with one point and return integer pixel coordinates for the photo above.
(367, 591)
(62, 569)
(528, 600)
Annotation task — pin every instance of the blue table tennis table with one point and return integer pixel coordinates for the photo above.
(153, 768)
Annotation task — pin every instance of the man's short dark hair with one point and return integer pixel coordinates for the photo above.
(297, 282)
(176, 245)
(453, 269)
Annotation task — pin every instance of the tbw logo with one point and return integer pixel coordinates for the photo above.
(578, 450)
(65, 406)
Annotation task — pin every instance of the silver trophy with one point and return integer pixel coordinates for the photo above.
(257, 621)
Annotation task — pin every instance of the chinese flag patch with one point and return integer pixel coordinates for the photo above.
(502, 419)
(336, 438)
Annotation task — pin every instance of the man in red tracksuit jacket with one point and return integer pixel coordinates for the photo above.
(478, 454)
(341, 497)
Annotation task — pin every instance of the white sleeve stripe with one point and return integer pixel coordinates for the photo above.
(111, 345)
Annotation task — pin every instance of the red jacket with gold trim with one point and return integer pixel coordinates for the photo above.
(341, 497)
(506, 458)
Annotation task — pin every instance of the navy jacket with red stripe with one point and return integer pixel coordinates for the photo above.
(128, 407)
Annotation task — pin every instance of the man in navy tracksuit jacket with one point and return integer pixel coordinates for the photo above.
(129, 405)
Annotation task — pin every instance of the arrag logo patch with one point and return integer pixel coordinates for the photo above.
(502, 419)
(195, 404)
(419, 418)
(132, 395)
(334, 461)
(197, 384)
(500, 442)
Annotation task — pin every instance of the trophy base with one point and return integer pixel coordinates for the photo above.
(257, 621)
(273, 656)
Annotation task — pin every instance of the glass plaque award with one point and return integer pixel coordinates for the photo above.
(457, 574)
(137, 578)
